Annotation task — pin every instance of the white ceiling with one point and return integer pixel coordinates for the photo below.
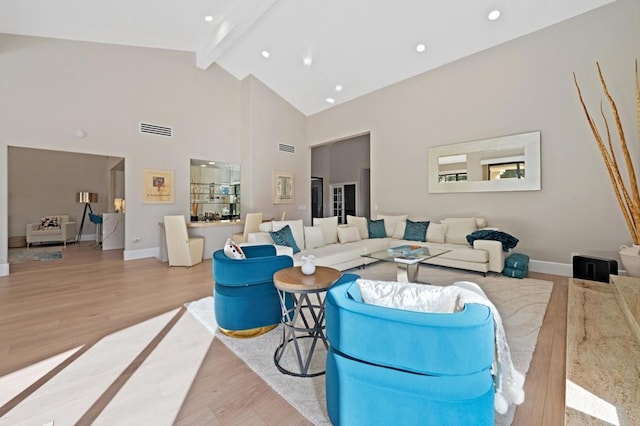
(362, 45)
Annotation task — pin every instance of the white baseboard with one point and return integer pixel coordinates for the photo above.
(4, 269)
(562, 269)
(141, 254)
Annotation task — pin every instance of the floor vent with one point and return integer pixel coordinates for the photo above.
(154, 129)
(283, 147)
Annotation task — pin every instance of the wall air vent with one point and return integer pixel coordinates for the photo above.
(154, 129)
(283, 147)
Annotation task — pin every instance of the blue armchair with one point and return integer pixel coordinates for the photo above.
(390, 366)
(245, 300)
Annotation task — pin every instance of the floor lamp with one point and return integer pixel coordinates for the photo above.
(85, 198)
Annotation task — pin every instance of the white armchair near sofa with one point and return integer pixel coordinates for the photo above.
(53, 228)
(341, 246)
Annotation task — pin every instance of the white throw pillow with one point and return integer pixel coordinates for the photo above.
(348, 234)
(459, 228)
(361, 224)
(436, 232)
(409, 296)
(329, 227)
(233, 250)
(398, 233)
(390, 222)
(260, 238)
(313, 237)
(266, 226)
(297, 229)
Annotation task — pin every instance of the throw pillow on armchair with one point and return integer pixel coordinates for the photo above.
(233, 250)
(49, 223)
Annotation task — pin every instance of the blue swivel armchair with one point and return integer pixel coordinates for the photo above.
(390, 366)
(245, 300)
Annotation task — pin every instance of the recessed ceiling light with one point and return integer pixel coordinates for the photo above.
(493, 15)
(212, 162)
(421, 48)
(330, 100)
(203, 165)
(338, 87)
(307, 60)
(265, 54)
(208, 18)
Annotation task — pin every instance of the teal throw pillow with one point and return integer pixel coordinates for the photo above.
(284, 237)
(376, 228)
(415, 231)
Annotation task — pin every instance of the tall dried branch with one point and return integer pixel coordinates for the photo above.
(629, 203)
(635, 206)
(619, 184)
(637, 100)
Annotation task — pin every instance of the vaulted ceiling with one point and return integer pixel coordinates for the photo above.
(320, 52)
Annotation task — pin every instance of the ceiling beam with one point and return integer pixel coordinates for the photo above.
(227, 32)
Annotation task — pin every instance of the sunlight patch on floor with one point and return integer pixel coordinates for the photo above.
(156, 391)
(13, 383)
(70, 393)
(582, 400)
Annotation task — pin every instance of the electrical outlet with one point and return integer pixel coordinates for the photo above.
(136, 239)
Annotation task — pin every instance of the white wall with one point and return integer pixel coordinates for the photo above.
(520, 86)
(50, 88)
(268, 121)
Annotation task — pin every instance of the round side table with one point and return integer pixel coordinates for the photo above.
(305, 319)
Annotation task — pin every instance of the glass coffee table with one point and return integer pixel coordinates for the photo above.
(407, 259)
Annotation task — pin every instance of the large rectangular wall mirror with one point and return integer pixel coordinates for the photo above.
(506, 163)
(215, 191)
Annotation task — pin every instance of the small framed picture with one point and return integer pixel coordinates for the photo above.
(283, 187)
(158, 186)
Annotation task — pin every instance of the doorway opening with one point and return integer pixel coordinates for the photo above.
(317, 208)
(344, 165)
(344, 200)
(53, 190)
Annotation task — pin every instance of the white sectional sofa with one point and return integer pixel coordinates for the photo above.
(341, 246)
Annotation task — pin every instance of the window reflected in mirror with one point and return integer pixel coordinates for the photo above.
(495, 164)
(485, 165)
(215, 191)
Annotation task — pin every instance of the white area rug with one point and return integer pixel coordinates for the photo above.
(521, 303)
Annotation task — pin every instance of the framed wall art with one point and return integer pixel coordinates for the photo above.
(158, 186)
(283, 187)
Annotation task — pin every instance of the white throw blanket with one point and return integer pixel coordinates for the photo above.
(508, 381)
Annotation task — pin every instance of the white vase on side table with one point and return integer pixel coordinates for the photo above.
(630, 256)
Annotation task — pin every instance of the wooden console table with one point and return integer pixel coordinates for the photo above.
(603, 352)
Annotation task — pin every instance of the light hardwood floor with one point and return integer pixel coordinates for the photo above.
(47, 308)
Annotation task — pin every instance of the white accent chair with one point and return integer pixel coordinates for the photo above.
(251, 224)
(181, 249)
(65, 231)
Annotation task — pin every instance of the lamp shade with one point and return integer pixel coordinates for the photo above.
(86, 197)
(118, 204)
